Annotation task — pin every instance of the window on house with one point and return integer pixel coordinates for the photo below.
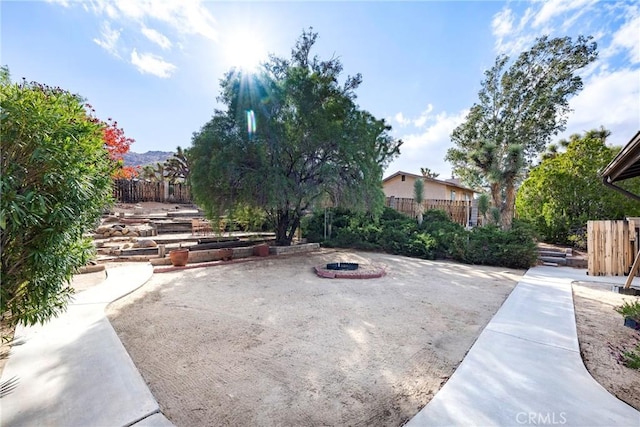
(453, 195)
(403, 178)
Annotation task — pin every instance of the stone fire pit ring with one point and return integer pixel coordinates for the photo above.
(349, 270)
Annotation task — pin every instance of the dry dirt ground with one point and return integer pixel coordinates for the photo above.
(602, 337)
(270, 343)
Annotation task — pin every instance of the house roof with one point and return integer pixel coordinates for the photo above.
(439, 181)
(626, 164)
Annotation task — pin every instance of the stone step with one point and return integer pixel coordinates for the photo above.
(558, 254)
(553, 259)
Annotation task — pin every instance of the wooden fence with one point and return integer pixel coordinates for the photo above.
(459, 211)
(611, 247)
(135, 191)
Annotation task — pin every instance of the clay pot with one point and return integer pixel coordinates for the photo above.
(179, 257)
(261, 250)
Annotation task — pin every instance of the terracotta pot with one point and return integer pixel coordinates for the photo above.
(261, 250)
(226, 254)
(179, 257)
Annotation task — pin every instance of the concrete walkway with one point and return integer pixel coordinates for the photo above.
(74, 371)
(525, 368)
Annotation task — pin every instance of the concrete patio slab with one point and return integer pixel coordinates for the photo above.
(526, 369)
(73, 370)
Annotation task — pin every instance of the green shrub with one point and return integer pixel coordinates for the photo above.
(437, 237)
(630, 309)
(313, 227)
(491, 245)
(443, 230)
(55, 183)
(421, 245)
(631, 359)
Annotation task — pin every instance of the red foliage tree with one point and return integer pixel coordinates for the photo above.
(117, 144)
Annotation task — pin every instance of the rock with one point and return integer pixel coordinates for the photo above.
(106, 234)
(111, 219)
(116, 233)
(133, 234)
(145, 244)
(117, 228)
(125, 231)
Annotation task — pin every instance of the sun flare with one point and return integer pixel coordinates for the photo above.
(245, 50)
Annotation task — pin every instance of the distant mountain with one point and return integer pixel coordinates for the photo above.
(150, 157)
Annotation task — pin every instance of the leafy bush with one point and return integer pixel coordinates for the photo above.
(564, 191)
(631, 358)
(491, 245)
(392, 232)
(443, 230)
(437, 237)
(55, 184)
(249, 218)
(630, 309)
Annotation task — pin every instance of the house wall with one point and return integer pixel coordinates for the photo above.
(397, 188)
(433, 190)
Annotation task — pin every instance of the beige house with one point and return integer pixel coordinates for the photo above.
(400, 185)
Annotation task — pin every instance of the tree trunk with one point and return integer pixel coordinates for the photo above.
(420, 213)
(506, 213)
(288, 223)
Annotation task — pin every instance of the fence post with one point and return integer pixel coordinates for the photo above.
(165, 191)
(473, 221)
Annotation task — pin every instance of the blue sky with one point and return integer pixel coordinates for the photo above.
(155, 66)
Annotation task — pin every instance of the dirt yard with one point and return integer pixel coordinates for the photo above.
(602, 336)
(270, 343)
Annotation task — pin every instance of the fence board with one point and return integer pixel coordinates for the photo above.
(136, 191)
(611, 247)
(458, 210)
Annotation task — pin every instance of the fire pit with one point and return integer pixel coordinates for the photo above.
(350, 266)
(349, 270)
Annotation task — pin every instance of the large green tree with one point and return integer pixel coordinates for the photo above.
(522, 105)
(290, 136)
(565, 191)
(55, 184)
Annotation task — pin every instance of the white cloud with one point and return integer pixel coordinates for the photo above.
(627, 38)
(554, 8)
(185, 17)
(610, 99)
(502, 23)
(510, 39)
(428, 148)
(63, 3)
(157, 37)
(418, 122)
(109, 39)
(152, 64)
(401, 120)
(174, 17)
(424, 116)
